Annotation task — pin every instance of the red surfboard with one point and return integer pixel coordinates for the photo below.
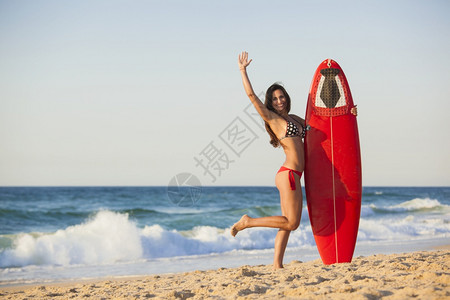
(332, 164)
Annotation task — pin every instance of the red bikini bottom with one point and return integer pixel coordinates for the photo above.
(291, 175)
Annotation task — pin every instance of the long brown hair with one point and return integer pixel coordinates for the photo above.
(274, 141)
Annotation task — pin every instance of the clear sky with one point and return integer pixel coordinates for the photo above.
(135, 92)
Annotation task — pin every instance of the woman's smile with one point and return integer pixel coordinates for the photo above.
(280, 106)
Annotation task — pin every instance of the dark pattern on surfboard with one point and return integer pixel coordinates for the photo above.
(330, 94)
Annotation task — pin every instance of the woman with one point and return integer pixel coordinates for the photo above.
(285, 130)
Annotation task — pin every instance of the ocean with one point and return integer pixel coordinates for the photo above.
(50, 234)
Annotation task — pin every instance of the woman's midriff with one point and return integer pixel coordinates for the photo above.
(295, 158)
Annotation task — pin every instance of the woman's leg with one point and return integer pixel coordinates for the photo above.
(291, 202)
(281, 241)
(273, 222)
(291, 208)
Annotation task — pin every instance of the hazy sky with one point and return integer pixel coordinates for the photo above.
(135, 92)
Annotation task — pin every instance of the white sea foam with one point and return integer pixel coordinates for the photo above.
(402, 228)
(110, 237)
(107, 238)
(367, 211)
(417, 204)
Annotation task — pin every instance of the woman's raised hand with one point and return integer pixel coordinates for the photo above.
(243, 60)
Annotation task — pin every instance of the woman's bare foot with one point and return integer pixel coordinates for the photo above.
(238, 226)
(277, 267)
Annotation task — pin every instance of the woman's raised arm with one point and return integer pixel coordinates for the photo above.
(257, 103)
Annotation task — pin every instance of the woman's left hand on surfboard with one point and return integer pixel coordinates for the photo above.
(354, 110)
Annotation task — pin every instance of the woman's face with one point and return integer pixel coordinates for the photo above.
(278, 100)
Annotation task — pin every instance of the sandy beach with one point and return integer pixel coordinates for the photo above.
(419, 275)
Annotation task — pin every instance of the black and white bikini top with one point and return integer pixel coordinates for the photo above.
(293, 131)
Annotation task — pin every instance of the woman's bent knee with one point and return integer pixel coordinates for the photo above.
(293, 225)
